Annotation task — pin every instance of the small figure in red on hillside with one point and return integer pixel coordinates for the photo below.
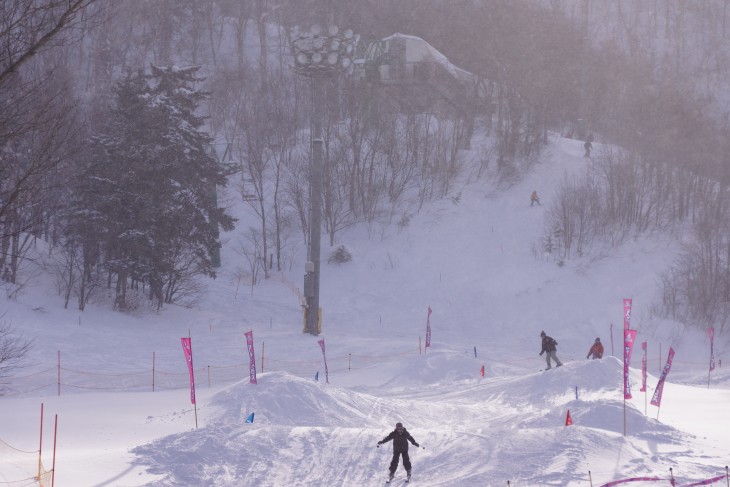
(596, 349)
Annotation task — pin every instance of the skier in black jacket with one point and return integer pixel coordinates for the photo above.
(400, 437)
(549, 347)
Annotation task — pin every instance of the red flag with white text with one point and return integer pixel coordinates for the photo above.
(656, 399)
(251, 357)
(629, 337)
(627, 313)
(326, 372)
(428, 329)
(188, 351)
(711, 334)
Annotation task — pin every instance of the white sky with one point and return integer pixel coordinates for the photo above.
(472, 261)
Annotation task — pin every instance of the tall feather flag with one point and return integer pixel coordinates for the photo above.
(627, 313)
(568, 419)
(428, 329)
(326, 372)
(188, 351)
(711, 335)
(656, 400)
(251, 357)
(629, 337)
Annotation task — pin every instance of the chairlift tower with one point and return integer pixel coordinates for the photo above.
(318, 55)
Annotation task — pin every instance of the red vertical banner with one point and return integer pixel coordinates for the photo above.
(326, 372)
(656, 400)
(711, 335)
(251, 357)
(643, 368)
(188, 351)
(428, 329)
(629, 337)
(627, 313)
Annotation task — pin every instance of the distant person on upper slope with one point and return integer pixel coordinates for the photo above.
(596, 349)
(588, 146)
(400, 437)
(549, 347)
(534, 198)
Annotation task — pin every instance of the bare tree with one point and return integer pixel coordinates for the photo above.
(13, 349)
(27, 27)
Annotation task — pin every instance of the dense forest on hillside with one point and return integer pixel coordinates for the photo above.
(122, 117)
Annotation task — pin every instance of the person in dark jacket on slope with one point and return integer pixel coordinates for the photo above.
(549, 347)
(400, 437)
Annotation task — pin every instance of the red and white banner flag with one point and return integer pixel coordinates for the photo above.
(656, 400)
(629, 337)
(326, 372)
(711, 334)
(706, 481)
(643, 368)
(428, 329)
(627, 313)
(633, 479)
(251, 357)
(188, 351)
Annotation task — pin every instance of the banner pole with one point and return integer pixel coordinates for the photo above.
(624, 415)
(53, 469)
(262, 356)
(40, 447)
(590, 479)
(195, 404)
(727, 477)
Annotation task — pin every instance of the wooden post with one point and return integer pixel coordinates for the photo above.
(208, 377)
(349, 361)
(153, 371)
(40, 447)
(262, 356)
(53, 469)
(419, 344)
(59, 373)
(195, 404)
(590, 479)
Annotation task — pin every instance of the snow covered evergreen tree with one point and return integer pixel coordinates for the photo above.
(152, 186)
